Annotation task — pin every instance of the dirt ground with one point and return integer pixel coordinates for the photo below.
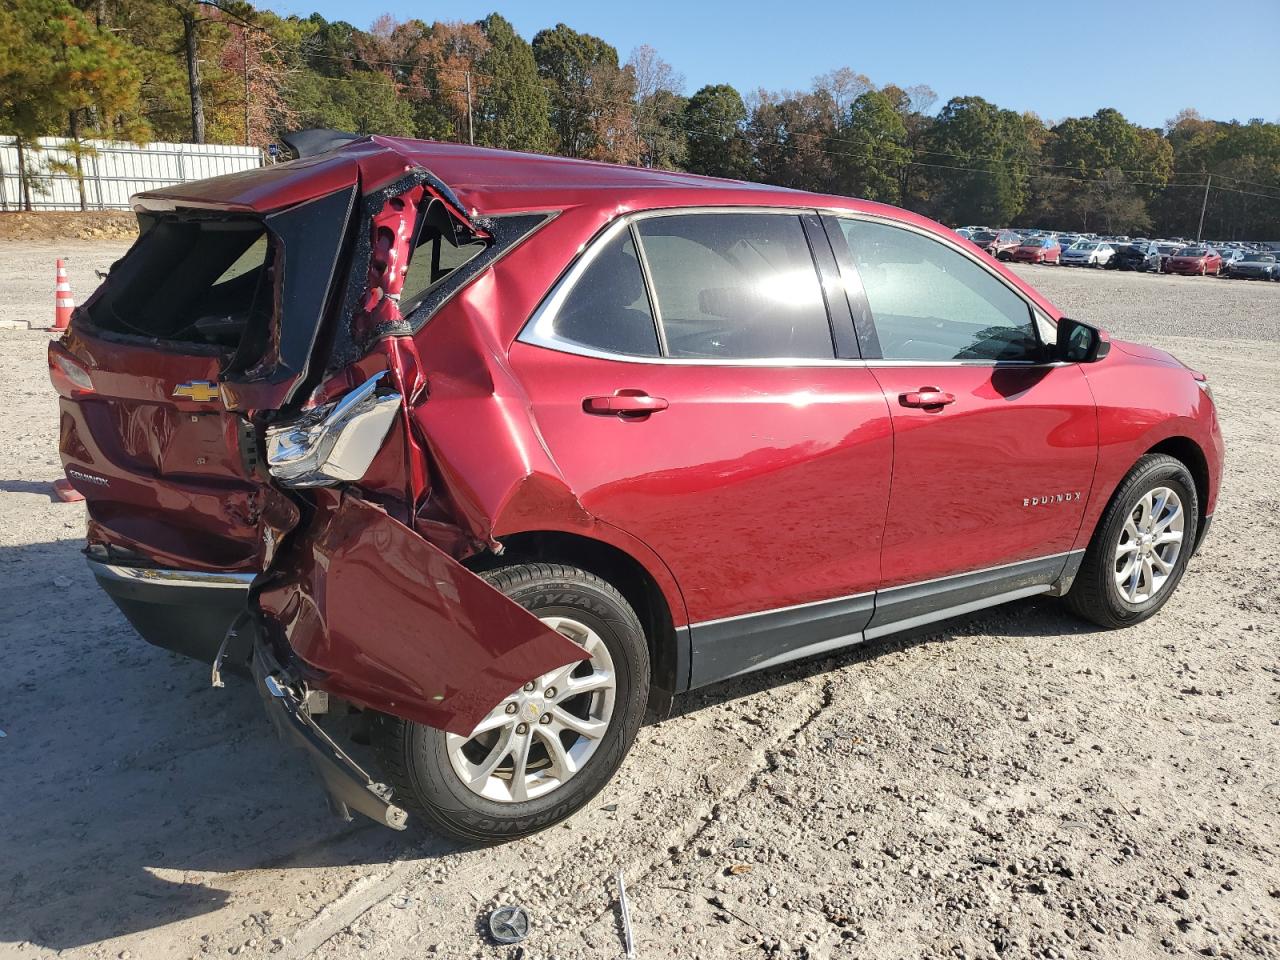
(1014, 784)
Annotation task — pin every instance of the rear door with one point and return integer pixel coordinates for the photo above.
(719, 414)
(994, 449)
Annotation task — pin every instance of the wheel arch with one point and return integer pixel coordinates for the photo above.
(1191, 455)
(668, 643)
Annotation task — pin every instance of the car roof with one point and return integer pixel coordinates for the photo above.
(487, 181)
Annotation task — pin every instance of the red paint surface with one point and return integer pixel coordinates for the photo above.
(384, 619)
(754, 488)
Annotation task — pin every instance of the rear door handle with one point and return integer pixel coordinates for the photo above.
(624, 403)
(926, 397)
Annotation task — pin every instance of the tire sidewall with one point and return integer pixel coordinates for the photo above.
(466, 812)
(1164, 472)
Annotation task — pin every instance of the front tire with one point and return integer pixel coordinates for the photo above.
(524, 770)
(1141, 547)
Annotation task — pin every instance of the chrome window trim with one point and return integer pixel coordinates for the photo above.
(538, 330)
(1033, 309)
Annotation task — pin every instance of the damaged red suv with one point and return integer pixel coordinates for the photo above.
(495, 453)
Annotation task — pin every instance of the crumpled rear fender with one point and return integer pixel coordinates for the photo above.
(377, 615)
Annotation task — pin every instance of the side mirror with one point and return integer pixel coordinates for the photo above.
(1080, 343)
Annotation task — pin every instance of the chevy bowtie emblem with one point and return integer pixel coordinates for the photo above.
(201, 391)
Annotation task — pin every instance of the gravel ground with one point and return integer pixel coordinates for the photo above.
(1014, 784)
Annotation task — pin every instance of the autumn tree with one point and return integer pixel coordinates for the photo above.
(56, 64)
(714, 122)
(513, 108)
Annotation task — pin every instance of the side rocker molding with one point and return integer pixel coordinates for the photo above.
(737, 645)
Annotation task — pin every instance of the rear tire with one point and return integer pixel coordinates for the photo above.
(1106, 590)
(426, 766)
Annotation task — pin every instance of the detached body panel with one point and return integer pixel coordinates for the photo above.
(380, 617)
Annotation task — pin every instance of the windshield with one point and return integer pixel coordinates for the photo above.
(1259, 258)
(984, 236)
(1033, 243)
(1085, 245)
(1194, 252)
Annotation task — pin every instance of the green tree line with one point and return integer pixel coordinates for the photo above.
(223, 71)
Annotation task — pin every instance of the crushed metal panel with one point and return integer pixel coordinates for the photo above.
(381, 617)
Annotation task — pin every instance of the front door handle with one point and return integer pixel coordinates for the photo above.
(625, 403)
(926, 397)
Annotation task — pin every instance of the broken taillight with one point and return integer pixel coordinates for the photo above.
(334, 443)
(68, 375)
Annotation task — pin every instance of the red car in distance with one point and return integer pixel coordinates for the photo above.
(1195, 261)
(501, 452)
(1037, 250)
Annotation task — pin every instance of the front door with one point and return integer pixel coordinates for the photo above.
(994, 449)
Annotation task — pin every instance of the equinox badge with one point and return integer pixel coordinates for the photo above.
(201, 391)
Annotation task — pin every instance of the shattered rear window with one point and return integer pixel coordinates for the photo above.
(188, 280)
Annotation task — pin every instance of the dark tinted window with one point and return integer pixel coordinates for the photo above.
(736, 286)
(607, 308)
(932, 303)
(441, 249)
(192, 280)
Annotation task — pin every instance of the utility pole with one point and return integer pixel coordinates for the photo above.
(244, 62)
(1203, 205)
(471, 133)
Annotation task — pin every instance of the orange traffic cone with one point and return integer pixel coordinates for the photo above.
(63, 302)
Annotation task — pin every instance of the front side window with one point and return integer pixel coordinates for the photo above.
(930, 302)
(733, 286)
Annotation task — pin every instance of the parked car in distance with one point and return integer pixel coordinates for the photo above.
(1254, 266)
(503, 452)
(1141, 255)
(1037, 250)
(1067, 240)
(1229, 256)
(999, 243)
(1088, 253)
(1195, 260)
(1167, 252)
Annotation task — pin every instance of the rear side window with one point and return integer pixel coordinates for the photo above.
(735, 286)
(608, 308)
(440, 250)
(198, 281)
(930, 302)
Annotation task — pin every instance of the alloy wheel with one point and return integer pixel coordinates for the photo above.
(1150, 544)
(540, 736)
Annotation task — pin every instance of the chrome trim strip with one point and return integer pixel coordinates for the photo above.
(172, 578)
(969, 573)
(794, 606)
(897, 626)
(884, 590)
(538, 330)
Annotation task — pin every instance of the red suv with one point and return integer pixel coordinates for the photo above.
(501, 451)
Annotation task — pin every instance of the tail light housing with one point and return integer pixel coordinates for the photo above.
(333, 443)
(67, 374)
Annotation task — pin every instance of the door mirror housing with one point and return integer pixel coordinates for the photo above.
(1080, 343)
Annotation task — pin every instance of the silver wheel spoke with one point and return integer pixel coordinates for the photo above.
(579, 709)
(1150, 544)
(594, 729)
(501, 749)
(563, 765)
(520, 769)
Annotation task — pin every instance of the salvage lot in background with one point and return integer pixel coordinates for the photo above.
(1014, 783)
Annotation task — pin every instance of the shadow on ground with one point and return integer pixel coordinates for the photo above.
(127, 779)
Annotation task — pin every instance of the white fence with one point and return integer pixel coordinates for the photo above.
(112, 172)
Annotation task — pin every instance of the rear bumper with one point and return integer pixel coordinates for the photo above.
(186, 611)
(347, 785)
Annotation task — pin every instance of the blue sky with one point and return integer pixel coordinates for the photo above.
(1057, 57)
